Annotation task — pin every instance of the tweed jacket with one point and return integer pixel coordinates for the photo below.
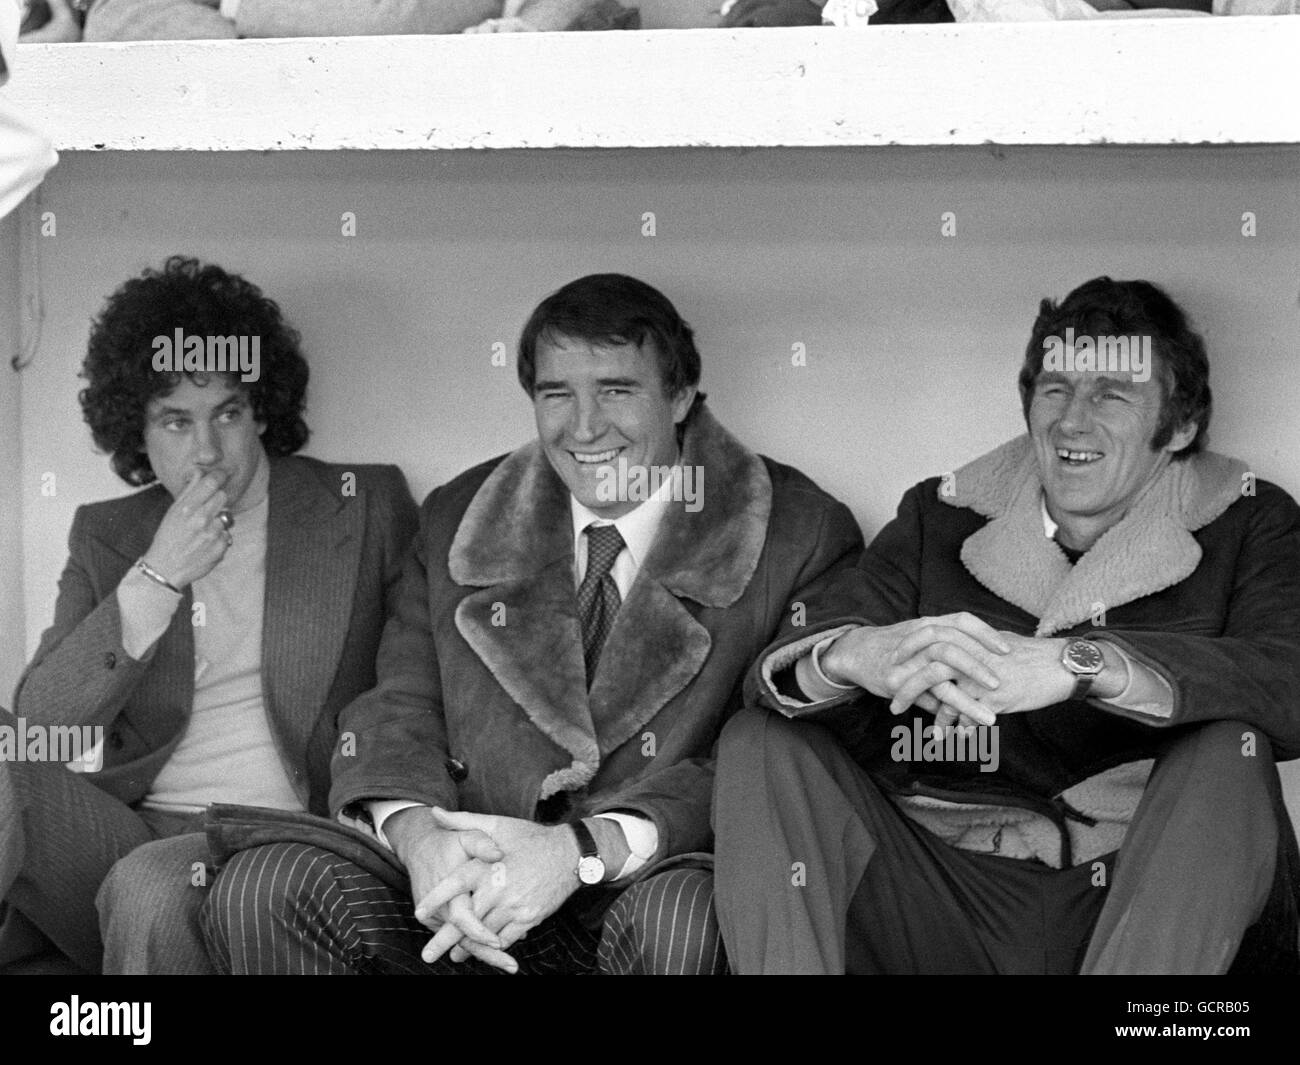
(482, 703)
(332, 561)
(1200, 581)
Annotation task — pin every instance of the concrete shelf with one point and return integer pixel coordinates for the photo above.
(1131, 81)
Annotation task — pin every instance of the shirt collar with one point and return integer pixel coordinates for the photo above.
(638, 526)
(1049, 526)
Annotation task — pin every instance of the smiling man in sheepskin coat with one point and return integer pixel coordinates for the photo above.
(568, 643)
(1115, 612)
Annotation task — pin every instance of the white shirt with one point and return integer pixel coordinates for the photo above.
(638, 527)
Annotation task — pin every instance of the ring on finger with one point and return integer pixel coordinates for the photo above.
(227, 519)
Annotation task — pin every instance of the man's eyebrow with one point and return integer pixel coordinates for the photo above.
(236, 399)
(1055, 377)
(1115, 382)
(165, 411)
(603, 382)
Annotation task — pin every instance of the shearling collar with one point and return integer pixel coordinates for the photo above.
(1151, 548)
(515, 544)
(518, 522)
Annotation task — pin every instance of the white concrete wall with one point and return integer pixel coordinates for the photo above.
(913, 339)
(1152, 81)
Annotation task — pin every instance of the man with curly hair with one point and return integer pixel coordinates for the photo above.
(211, 625)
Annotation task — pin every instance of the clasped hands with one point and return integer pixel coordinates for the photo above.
(955, 666)
(480, 882)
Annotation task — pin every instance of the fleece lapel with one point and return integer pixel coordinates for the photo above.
(313, 549)
(515, 543)
(1151, 548)
(708, 555)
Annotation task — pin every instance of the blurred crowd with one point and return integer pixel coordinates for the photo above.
(134, 20)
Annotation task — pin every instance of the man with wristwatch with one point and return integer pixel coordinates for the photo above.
(1123, 607)
(572, 632)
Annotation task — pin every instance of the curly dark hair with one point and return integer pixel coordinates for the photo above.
(200, 299)
(1103, 307)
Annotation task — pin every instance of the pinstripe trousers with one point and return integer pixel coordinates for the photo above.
(295, 908)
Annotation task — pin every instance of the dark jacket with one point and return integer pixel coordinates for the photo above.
(482, 703)
(1200, 581)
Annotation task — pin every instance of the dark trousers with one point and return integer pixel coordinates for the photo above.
(63, 842)
(296, 908)
(817, 871)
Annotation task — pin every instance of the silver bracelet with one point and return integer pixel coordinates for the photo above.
(154, 575)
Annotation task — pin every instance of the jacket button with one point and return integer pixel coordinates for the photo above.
(115, 740)
(456, 769)
(110, 660)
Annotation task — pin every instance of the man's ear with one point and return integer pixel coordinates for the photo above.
(682, 403)
(1181, 437)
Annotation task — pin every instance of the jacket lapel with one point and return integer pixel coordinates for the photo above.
(515, 542)
(1151, 548)
(313, 550)
(132, 538)
(707, 555)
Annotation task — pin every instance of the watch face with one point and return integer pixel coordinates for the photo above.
(591, 870)
(1084, 657)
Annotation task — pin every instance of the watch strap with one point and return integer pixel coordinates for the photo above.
(1084, 675)
(586, 841)
(591, 866)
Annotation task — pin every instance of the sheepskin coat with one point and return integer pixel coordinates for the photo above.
(1200, 580)
(482, 703)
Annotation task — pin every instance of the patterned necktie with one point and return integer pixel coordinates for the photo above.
(598, 598)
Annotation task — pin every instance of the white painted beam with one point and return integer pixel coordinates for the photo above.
(1158, 81)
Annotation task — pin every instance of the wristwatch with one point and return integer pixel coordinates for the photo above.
(1084, 659)
(591, 867)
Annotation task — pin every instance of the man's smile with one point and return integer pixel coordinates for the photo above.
(595, 458)
(1079, 458)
